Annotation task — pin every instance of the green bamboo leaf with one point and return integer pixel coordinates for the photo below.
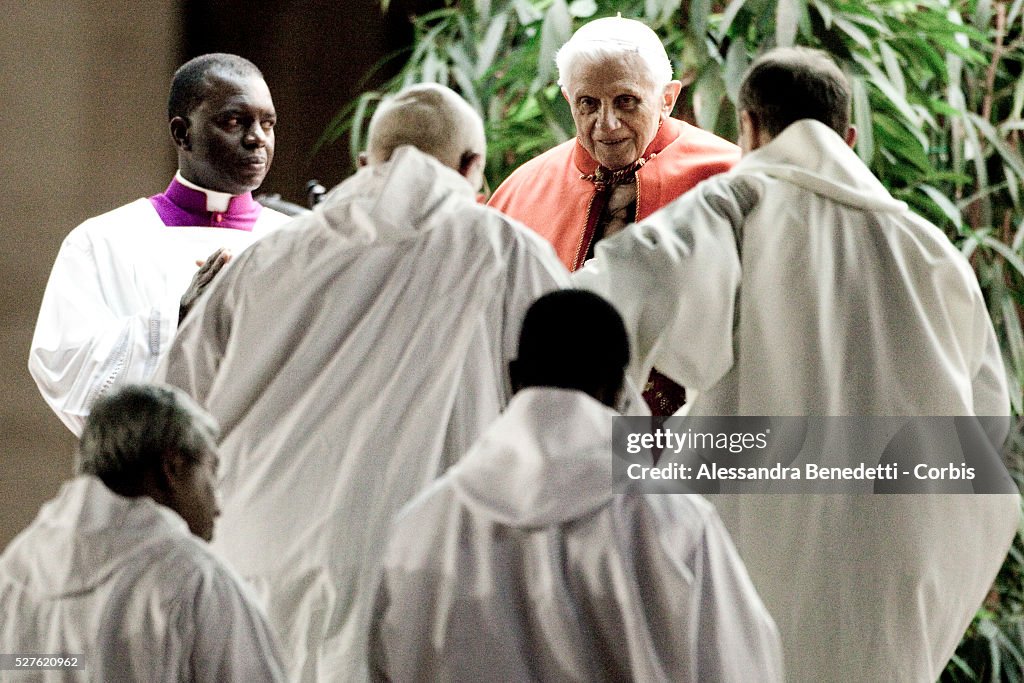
(852, 30)
(862, 117)
(1007, 644)
(1012, 185)
(554, 32)
(944, 203)
(960, 664)
(968, 247)
(728, 16)
(461, 59)
(825, 12)
(526, 13)
(699, 11)
(582, 9)
(736, 63)
(360, 121)
(1018, 237)
(974, 152)
(668, 8)
(885, 86)
(1014, 13)
(1016, 391)
(892, 68)
(551, 118)
(982, 14)
(466, 88)
(1004, 250)
(787, 17)
(489, 46)
(483, 9)
(894, 137)
(989, 630)
(708, 96)
(1008, 155)
(433, 70)
(942, 108)
(868, 18)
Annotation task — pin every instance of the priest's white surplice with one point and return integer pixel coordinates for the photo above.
(520, 564)
(796, 285)
(110, 309)
(350, 359)
(122, 583)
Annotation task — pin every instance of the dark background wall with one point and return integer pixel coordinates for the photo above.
(313, 54)
(83, 124)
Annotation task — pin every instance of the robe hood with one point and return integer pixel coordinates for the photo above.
(546, 460)
(77, 540)
(382, 201)
(812, 156)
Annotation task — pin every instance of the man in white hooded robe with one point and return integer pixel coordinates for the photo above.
(796, 285)
(521, 563)
(115, 577)
(350, 359)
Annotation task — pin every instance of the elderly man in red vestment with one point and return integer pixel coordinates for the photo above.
(629, 158)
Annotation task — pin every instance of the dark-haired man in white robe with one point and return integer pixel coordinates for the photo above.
(521, 564)
(801, 287)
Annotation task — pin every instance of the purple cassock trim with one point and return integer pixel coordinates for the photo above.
(183, 206)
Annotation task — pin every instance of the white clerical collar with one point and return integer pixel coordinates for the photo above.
(216, 202)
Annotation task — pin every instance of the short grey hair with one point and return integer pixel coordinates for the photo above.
(130, 431)
(614, 37)
(430, 117)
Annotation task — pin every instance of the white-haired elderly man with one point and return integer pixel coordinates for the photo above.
(113, 580)
(351, 359)
(629, 158)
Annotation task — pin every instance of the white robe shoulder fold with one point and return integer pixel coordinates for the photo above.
(122, 583)
(110, 309)
(350, 359)
(520, 564)
(796, 284)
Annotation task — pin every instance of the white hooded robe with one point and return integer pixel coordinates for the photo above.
(521, 564)
(350, 359)
(124, 584)
(796, 285)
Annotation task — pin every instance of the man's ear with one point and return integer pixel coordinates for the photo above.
(851, 136)
(363, 159)
(470, 164)
(179, 132)
(566, 96)
(175, 470)
(670, 95)
(750, 132)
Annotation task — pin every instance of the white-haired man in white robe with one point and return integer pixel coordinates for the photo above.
(521, 563)
(801, 287)
(351, 359)
(113, 579)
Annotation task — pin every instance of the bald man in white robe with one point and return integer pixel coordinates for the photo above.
(350, 360)
(801, 287)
